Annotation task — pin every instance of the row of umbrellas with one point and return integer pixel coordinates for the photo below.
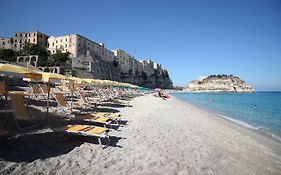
(22, 72)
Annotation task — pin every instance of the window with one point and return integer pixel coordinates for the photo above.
(53, 44)
(15, 45)
(25, 35)
(66, 45)
(3, 43)
(20, 35)
(20, 40)
(34, 34)
(16, 34)
(65, 39)
(29, 34)
(29, 40)
(34, 40)
(16, 40)
(56, 41)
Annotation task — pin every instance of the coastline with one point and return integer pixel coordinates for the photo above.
(160, 137)
(233, 123)
(256, 129)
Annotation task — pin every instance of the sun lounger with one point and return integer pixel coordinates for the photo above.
(88, 101)
(62, 103)
(106, 121)
(3, 132)
(36, 91)
(20, 110)
(87, 130)
(2, 88)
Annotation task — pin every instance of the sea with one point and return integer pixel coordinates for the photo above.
(260, 111)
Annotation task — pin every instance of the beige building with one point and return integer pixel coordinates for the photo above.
(21, 38)
(78, 45)
(6, 43)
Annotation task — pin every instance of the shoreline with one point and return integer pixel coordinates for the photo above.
(244, 125)
(233, 124)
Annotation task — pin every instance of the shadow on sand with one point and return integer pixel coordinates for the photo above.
(30, 147)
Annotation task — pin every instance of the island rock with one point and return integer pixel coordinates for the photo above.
(219, 83)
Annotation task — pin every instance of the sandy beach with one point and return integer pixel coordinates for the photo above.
(160, 137)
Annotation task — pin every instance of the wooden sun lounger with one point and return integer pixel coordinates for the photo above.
(95, 119)
(36, 91)
(62, 103)
(20, 109)
(2, 88)
(87, 130)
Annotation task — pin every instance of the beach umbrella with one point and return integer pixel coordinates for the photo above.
(8, 70)
(18, 71)
(157, 89)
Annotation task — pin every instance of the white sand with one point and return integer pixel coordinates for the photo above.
(161, 137)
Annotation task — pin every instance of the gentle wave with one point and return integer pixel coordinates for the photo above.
(276, 137)
(247, 125)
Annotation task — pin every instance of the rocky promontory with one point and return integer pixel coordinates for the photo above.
(219, 83)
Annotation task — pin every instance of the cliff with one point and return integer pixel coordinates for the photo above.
(219, 83)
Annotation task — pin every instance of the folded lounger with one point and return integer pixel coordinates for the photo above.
(87, 130)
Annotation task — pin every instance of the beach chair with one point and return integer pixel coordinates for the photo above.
(21, 111)
(87, 130)
(62, 103)
(36, 91)
(88, 101)
(104, 120)
(2, 88)
(3, 132)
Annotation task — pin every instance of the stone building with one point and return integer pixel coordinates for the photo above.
(6, 43)
(21, 38)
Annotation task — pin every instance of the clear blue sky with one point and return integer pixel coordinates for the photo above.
(190, 38)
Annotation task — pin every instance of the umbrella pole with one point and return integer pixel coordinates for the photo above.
(48, 99)
(6, 90)
(71, 97)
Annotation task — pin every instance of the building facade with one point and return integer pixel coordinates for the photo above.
(90, 59)
(78, 45)
(6, 43)
(21, 38)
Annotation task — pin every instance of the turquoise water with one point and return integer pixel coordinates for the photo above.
(260, 111)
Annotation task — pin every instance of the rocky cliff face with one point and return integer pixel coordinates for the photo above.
(219, 83)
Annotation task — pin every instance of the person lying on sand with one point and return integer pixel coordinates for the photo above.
(161, 95)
